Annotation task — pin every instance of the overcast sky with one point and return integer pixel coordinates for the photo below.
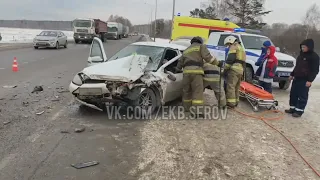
(287, 11)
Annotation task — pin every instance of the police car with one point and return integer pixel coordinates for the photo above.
(252, 43)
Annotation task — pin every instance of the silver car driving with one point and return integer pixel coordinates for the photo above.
(50, 39)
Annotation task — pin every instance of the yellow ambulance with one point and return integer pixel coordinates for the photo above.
(184, 26)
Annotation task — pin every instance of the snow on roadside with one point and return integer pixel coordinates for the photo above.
(160, 40)
(20, 35)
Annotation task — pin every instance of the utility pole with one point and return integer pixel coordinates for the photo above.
(173, 12)
(155, 21)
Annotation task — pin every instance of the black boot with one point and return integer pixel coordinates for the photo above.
(296, 114)
(290, 111)
(232, 106)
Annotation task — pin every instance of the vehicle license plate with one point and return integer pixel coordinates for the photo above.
(90, 91)
(283, 73)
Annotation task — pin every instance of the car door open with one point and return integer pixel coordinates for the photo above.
(97, 53)
(173, 87)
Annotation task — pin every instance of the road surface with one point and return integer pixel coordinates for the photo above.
(38, 141)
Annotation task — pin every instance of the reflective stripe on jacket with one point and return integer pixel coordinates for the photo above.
(211, 73)
(193, 57)
(236, 59)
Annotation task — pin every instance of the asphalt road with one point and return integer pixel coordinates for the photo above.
(32, 146)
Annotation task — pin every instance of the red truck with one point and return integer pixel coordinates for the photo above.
(86, 29)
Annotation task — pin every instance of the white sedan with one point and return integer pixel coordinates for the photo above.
(142, 74)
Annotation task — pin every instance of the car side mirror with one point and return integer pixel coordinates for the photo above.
(277, 49)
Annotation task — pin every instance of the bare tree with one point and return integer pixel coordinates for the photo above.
(221, 8)
(311, 19)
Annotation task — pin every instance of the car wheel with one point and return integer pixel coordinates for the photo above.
(248, 74)
(66, 44)
(76, 41)
(57, 45)
(145, 102)
(284, 85)
(36, 47)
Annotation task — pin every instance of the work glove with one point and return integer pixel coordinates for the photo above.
(176, 70)
(220, 64)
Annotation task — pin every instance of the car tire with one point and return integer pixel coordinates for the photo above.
(146, 98)
(66, 44)
(57, 45)
(36, 47)
(284, 85)
(76, 41)
(249, 74)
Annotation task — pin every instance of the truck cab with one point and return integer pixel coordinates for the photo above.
(85, 29)
(252, 44)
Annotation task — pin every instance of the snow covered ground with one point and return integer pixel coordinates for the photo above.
(162, 40)
(17, 35)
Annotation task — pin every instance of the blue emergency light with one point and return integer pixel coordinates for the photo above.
(239, 30)
(179, 14)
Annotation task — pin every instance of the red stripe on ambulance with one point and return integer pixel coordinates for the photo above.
(205, 27)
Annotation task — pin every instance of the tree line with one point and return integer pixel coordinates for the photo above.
(122, 20)
(249, 14)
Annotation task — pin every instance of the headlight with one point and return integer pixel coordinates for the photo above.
(77, 80)
(84, 77)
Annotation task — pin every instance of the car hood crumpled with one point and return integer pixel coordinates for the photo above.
(127, 69)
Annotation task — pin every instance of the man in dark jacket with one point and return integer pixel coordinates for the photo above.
(304, 73)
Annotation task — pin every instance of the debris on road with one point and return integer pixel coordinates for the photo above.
(2, 98)
(84, 165)
(39, 113)
(56, 98)
(25, 104)
(6, 122)
(80, 130)
(63, 91)
(64, 132)
(10, 87)
(37, 89)
(13, 97)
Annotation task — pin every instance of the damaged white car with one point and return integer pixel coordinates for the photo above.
(142, 74)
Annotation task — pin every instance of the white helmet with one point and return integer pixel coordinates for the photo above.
(230, 40)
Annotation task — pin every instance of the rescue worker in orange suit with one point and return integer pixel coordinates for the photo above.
(233, 70)
(213, 80)
(192, 62)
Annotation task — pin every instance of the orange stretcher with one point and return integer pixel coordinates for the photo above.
(257, 96)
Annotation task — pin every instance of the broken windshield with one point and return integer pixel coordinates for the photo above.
(154, 52)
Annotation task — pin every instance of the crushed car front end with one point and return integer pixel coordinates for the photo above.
(95, 93)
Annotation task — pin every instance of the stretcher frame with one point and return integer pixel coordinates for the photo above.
(257, 102)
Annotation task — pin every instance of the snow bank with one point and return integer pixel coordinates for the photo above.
(18, 35)
(160, 40)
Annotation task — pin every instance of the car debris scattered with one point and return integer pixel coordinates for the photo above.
(56, 98)
(6, 122)
(25, 104)
(85, 164)
(39, 113)
(9, 87)
(37, 89)
(64, 132)
(80, 130)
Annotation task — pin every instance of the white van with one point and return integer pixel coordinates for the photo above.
(252, 44)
